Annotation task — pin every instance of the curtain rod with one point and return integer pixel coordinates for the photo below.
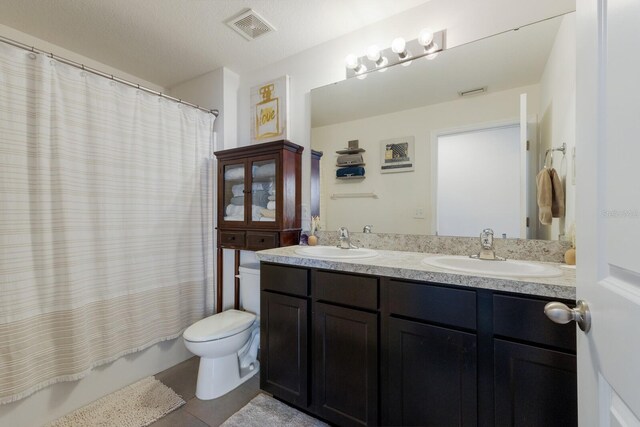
(102, 74)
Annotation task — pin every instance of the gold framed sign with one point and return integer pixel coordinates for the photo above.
(270, 111)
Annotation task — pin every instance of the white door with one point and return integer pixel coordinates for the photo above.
(529, 169)
(608, 210)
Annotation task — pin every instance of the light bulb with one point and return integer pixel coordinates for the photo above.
(398, 45)
(425, 38)
(362, 69)
(373, 53)
(351, 61)
(432, 48)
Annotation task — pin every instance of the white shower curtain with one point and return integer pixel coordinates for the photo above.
(105, 206)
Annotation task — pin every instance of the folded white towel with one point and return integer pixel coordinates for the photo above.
(264, 218)
(255, 212)
(238, 190)
(234, 218)
(271, 205)
(234, 210)
(234, 173)
(272, 197)
(265, 170)
(257, 186)
(269, 213)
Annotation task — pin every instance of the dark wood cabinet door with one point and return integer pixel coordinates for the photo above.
(284, 349)
(346, 365)
(534, 386)
(432, 375)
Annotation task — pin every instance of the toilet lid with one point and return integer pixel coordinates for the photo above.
(219, 326)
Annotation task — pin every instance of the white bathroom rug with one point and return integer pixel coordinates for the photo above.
(265, 411)
(136, 405)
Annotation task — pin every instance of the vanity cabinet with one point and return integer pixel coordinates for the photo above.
(345, 348)
(431, 373)
(284, 333)
(535, 380)
(387, 351)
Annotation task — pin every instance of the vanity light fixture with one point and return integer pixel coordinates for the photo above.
(374, 55)
(428, 44)
(353, 63)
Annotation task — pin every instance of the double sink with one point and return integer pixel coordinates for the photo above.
(464, 264)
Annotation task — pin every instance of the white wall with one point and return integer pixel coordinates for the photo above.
(217, 89)
(465, 20)
(56, 400)
(400, 194)
(558, 117)
(67, 54)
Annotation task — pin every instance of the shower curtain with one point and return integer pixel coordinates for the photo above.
(105, 224)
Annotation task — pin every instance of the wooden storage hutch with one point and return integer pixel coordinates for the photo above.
(258, 202)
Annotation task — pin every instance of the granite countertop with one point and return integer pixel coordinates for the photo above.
(408, 265)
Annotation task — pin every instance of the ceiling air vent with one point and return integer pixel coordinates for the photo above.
(250, 25)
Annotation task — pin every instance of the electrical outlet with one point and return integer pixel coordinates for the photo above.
(419, 213)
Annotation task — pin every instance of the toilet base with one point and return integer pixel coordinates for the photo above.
(219, 376)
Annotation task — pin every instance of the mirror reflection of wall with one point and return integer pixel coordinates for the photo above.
(479, 171)
(422, 101)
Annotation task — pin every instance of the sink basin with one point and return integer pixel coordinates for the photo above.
(332, 252)
(510, 268)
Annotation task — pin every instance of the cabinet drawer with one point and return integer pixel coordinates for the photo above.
(524, 319)
(347, 289)
(258, 241)
(289, 280)
(232, 239)
(455, 307)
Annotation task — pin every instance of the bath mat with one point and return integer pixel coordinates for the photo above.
(266, 411)
(136, 405)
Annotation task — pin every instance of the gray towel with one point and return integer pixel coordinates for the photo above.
(238, 200)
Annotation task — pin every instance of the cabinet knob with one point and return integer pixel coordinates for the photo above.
(232, 238)
(262, 240)
(560, 313)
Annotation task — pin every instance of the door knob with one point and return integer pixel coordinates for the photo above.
(560, 313)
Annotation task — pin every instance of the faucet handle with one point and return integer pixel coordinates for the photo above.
(486, 238)
(343, 232)
(367, 228)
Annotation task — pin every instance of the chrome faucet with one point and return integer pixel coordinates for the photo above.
(344, 239)
(486, 247)
(367, 228)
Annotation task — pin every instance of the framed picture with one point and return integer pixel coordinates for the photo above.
(270, 111)
(397, 155)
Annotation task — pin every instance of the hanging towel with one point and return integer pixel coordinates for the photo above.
(557, 202)
(545, 196)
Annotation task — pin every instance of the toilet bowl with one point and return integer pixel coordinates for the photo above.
(227, 342)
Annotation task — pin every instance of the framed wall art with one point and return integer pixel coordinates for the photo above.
(397, 154)
(270, 111)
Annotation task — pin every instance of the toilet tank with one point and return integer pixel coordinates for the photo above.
(250, 287)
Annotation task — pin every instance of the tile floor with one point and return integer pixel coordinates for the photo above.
(202, 413)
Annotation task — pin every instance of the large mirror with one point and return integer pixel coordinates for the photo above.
(454, 144)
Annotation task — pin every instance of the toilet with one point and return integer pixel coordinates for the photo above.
(227, 342)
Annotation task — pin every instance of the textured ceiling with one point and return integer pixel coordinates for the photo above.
(170, 41)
